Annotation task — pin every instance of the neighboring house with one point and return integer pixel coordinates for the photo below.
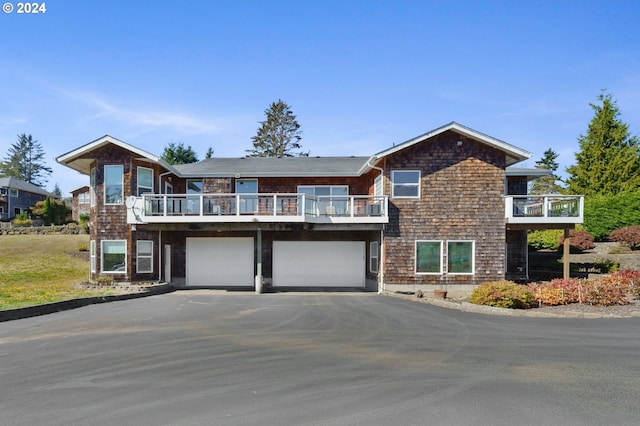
(17, 196)
(441, 209)
(81, 202)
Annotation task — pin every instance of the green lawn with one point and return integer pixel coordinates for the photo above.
(37, 269)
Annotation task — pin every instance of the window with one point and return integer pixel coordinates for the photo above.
(114, 257)
(331, 199)
(92, 185)
(373, 257)
(460, 257)
(92, 255)
(84, 198)
(429, 257)
(145, 181)
(144, 256)
(248, 203)
(113, 186)
(406, 184)
(13, 192)
(194, 189)
(377, 185)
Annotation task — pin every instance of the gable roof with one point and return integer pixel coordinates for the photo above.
(275, 167)
(513, 154)
(77, 159)
(21, 185)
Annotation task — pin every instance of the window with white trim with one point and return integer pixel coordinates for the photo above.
(113, 184)
(92, 255)
(145, 181)
(460, 257)
(144, 256)
(373, 257)
(13, 192)
(429, 257)
(92, 185)
(113, 259)
(405, 184)
(330, 199)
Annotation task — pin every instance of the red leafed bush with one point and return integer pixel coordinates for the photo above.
(557, 292)
(582, 240)
(629, 279)
(629, 236)
(608, 291)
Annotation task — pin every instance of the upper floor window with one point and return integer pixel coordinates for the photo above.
(194, 186)
(145, 181)
(330, 199)
(113, 184)
(405, 184)
(92, 185)
(13, 192)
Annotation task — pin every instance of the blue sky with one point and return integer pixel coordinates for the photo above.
(359, 75)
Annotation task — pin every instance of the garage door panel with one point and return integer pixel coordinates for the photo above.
(318, 263)
(220, 262)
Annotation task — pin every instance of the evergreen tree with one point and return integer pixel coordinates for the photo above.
(209, 153)
(609, 158)
(547, 184)
(25, 161)
(57, 192)
(178, 154)
(279, 135)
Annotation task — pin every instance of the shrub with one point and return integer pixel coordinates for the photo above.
(582, 240)
(604, 213)
(628, 279)
(557, 292)
(629, 236)
(104, 280)
(502, 294)
(605, 292)
(544, 239)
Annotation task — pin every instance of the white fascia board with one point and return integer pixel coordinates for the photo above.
(68, 158)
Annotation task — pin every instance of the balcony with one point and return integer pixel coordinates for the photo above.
(544, 209)
(238, 208)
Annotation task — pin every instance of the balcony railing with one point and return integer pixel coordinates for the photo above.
(541, 209)
(172, 208)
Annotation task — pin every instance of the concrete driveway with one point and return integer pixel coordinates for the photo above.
(212, 358)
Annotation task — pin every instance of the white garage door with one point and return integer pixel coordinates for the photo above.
(318, 264)
(219, 262)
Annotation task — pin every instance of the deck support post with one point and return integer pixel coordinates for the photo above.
(566, 263)
(259, 262)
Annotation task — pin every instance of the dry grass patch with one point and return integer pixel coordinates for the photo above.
(37, 269)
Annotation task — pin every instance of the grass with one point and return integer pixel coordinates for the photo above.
(36, 269)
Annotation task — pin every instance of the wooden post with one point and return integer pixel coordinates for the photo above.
(566, 263)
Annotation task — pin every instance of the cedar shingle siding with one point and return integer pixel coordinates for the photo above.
(461, 198)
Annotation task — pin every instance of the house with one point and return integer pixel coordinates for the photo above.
(443, 208)
(17, 196)
(81, 202)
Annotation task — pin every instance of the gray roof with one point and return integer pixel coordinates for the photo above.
(21, 185)
(530, 174)
(276, 167)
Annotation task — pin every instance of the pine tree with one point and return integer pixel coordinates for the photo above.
(279, 135)
(547, 184)
(25, 161)
(609, 158)
(209, 153)
(178, 154)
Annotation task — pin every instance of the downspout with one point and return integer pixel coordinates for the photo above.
(160, 255)
(381, 287)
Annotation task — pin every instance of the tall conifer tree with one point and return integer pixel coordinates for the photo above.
(609, 158)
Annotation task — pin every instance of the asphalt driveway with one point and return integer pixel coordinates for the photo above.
(212, 358)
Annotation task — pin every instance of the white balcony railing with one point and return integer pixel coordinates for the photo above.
(540, 209)
(173, 208)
